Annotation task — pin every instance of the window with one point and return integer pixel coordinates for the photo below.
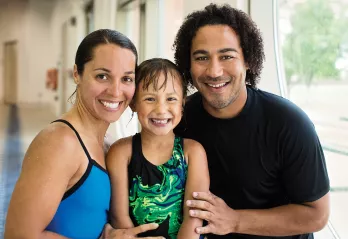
(313, 40)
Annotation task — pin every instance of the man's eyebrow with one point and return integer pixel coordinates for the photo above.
(202, 52)
(224, 50)
(129, 73)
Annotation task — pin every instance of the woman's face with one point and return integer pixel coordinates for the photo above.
(107, 86)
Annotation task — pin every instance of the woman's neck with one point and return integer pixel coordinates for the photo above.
(87, 124)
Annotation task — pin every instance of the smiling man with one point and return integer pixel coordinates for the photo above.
(267, 167)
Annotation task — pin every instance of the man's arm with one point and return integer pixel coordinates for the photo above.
(292, 219)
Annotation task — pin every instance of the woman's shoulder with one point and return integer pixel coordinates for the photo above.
(55, 138)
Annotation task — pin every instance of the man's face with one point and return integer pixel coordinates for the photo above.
(218, 69)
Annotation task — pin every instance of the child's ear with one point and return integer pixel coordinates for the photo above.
(183, 102)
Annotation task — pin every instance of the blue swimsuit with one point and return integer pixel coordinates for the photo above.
(83, 211)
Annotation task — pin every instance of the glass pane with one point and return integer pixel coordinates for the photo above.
(313, 37)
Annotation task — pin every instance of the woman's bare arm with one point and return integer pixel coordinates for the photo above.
(47, 169)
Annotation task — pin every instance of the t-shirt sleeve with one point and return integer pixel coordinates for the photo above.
(304, 171)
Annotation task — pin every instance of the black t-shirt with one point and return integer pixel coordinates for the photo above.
(269, 155)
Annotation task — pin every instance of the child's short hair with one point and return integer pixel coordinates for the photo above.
(150, 70)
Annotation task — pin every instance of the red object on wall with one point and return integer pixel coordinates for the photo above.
(52, 79)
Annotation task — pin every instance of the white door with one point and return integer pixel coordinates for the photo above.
(10, 72)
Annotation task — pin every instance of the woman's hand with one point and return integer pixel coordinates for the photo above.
(111, 233)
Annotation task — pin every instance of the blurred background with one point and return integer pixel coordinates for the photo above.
(306, 46)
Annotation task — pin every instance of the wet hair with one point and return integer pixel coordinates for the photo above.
(102, 36)
(86, 48)
(249, 36)
(150, 70)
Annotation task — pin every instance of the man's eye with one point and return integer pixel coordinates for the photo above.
(227, 57)
(201, 58)
(102, 77)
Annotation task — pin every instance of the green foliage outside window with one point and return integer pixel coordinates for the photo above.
(317, 40)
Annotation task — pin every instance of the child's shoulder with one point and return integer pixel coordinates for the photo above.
(191, 143)
(123, 144)
(192, 146)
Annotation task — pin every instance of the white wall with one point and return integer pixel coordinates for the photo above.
(37, 27)
(262, 13)
(13, 15)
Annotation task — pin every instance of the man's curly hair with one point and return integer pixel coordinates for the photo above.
(249, 36)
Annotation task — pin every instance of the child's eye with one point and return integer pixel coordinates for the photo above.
(171, 99)
(102, 77)
(150, 99)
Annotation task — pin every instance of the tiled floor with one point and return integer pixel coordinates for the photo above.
(15, 137)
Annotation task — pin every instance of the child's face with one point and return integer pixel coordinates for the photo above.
(159, 111)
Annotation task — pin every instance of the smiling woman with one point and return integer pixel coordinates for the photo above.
(64, 189)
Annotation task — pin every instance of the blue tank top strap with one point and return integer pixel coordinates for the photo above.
(78, 136)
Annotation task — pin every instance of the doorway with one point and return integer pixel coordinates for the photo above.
(10, 72)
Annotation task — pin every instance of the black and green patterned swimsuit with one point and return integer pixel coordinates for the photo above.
(156, 193)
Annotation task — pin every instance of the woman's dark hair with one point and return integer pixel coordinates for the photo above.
(150, 70)
(249, 36)
(102, 36)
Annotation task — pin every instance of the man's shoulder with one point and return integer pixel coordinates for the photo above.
(279, 108)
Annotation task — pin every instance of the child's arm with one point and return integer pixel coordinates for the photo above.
(197, 181)
(117, 161)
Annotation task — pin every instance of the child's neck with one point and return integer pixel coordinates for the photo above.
(157, 149)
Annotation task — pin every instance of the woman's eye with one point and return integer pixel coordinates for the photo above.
(102, 77)
(128, 79)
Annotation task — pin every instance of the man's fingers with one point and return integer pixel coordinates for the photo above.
(206, 196)
(205, 215)
(143, 228)
(199, 204)
(204, 230)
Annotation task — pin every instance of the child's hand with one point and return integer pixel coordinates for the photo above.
(111, 233)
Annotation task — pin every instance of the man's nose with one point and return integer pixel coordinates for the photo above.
(214, 69)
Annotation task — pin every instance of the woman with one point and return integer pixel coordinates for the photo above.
(64, 190)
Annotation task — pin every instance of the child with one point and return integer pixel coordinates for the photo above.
(153, 173)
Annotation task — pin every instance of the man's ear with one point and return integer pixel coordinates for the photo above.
(76, 75)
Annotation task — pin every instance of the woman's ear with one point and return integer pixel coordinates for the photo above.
(76, 75)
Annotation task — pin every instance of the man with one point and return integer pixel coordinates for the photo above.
(267, 168)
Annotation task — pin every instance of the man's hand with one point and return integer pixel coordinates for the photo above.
(221, 218)
(111, 233)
